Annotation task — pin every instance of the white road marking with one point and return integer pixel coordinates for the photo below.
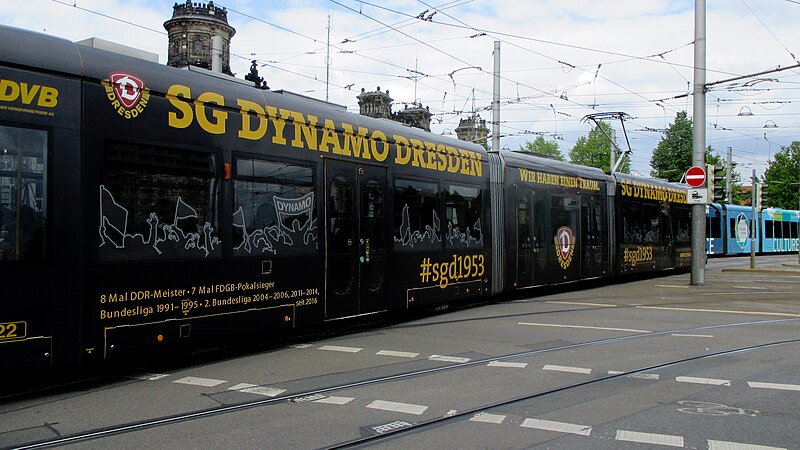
(335, 400)
(517, 365)
(711, 381)
(488, 418)
(256, 389)
(149, 376)
(398, 407)
(452, 359)
(722, 311)
(672, 286)
(555, 325)
(195, 381)
(693, 335)
(560, 427)
(650, 438)
(398, 354)
(783, 387)
(723, 445)
(337, 348)
(756, 288)
(567, 369)
(602, 305)
(642, 376)
(301, 346)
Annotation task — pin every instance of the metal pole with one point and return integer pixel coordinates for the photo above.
(496, 99)
(753, 223)
(699, 140)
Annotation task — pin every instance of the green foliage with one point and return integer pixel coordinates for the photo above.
(541, 147)
(673, 155)
(594, 150)
(783, 178)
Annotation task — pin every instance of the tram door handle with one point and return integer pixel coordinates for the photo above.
(364, 258)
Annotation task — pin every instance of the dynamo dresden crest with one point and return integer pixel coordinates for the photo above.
(127, 94)
(565, 246)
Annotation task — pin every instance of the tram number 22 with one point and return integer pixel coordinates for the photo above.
(12, 330)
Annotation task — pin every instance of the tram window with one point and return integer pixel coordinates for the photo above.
(564, 212)
(714, 227)
(786, 231)
(23, 194)
(273, 208)
(158, 203)
(769, 229)
(416, 215)
(794, 228)
(463, 215)
(682, 226)
(640, 223)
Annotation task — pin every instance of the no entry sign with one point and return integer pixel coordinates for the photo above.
(696, 176)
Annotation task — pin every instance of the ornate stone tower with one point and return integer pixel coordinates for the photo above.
(379, 104)
(375, 104)
(416, 116)
(473, 129)
(191, 30)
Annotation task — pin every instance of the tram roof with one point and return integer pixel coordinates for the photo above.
(57, 55)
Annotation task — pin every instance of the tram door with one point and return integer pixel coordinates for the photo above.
(531, 254)
(593, 232)
(356, 246)
(523, 266)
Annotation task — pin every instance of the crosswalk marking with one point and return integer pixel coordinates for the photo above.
(398, 407)
(650, 438)
(561, 427)
(256, 389)
(196, 381)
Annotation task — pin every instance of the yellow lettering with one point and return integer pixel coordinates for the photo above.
(174, 93)
(213, 127)
(28, 94)
(247, 132)
(453, 162)
(279, 123)
(464, 161)
(9, 90)
(418, 149)
(358, 141)
(303, 129)
(329, 138)
(431, 155)
(383, 153)
(441, 155)
(477, 164)
(403, 155)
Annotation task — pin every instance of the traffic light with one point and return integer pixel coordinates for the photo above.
(716, 189)
(762, 199)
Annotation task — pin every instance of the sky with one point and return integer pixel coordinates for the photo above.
(560, 60)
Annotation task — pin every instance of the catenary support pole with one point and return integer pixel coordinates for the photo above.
(699, 141)
(753, 221)
(496, 99)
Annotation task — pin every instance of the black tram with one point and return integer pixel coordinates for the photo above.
(147, 209)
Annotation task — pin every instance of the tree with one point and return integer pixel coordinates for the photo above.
(541, 147)
(673, 154)
(594, 150)
(783, 177)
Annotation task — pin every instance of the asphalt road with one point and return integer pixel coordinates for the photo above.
(653, 363)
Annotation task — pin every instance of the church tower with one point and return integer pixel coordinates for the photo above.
(196, 32)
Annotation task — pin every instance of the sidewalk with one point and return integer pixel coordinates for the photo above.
(789, 269)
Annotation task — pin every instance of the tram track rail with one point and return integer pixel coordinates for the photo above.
(136, 426)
